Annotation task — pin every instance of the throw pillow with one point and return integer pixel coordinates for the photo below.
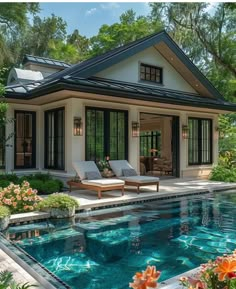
(129, 172)
(93, 175)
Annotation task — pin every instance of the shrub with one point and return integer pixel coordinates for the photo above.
(50, 187)
(223, 174)
(4, 183)
(36, 185)
(61, 201)
(19, 198)
(9, 177)
(4, 212)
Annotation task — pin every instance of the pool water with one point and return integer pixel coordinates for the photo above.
(103, 249)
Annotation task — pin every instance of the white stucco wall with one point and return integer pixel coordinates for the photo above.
(75, 145)
(128, 70)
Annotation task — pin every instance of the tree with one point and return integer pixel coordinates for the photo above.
(129, 28)
(13, 18)
(44, 35)
(81, 43)
(209, 34)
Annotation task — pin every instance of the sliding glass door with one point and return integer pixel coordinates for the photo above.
(106, 134)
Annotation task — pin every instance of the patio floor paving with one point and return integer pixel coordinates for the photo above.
(19, 274)
(169, 187)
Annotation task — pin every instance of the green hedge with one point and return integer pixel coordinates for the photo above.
(223, 174)
(43, 183)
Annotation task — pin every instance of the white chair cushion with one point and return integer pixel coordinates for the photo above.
(81, 167)
(141, 179)
(118, 166)
(103, 182)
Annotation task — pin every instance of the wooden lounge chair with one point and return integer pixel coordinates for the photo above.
(124, 171)
(91, 179)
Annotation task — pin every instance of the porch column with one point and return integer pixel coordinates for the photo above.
(133, 141)
(9, 154)
(75, 144)
(183, 144)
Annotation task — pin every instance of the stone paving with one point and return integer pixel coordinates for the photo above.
(169, 187)
(19, 274)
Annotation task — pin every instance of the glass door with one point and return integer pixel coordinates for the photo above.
(25, 131)
(106, 134)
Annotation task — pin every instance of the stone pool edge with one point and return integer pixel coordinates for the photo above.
(41, 274)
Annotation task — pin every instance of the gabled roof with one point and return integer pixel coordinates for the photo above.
(45, 61)
(94, 65)
(80, 77)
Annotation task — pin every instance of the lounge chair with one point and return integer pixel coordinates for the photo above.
(124, 171)
(91, 179)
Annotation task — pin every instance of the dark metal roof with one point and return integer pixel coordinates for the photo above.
(117, 89)
(90, 67)
(45, 61)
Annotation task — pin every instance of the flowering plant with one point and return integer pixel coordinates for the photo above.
(218, 274)
(19, 198)
(146, 279)
(103, 164)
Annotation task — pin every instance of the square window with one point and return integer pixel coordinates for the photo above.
(151, 73)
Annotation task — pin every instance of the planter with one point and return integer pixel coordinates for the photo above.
(4, 222)
(60, 213)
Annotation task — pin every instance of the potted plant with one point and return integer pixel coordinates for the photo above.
(4, 217)
(59, 205)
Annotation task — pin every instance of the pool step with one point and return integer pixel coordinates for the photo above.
(51, 237)
(45, 226)
(112, 244)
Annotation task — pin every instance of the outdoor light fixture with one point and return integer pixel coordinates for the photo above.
(78, 126)
(135, 129)
(185, 131)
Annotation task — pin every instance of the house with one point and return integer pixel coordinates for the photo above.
(145, 102)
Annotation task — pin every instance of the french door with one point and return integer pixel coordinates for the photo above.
(55, 139)
(25, 140)
(106, 134)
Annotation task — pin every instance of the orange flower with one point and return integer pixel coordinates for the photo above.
(147, 278)
(225, 268)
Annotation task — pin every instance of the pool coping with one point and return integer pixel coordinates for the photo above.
(17, 219)
(40, 273)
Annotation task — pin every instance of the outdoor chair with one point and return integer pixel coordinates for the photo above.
(124, 171)
(91, 179)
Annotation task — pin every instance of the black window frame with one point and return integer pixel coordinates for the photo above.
(200, 145)
(155, 142)
(107, 130)
(33, 113)
(146, 73)
(46, 150)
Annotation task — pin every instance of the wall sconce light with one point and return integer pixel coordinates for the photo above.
(135, 129)
(78, 126)
(185, 131)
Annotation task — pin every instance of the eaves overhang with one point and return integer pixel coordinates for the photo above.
(131, 91)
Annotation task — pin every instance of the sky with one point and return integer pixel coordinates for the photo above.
(89, 17)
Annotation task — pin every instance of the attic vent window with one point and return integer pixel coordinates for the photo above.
(151, 73)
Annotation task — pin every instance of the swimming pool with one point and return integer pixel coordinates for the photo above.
(104, 248)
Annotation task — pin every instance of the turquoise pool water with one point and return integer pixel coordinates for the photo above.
(103, 249)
